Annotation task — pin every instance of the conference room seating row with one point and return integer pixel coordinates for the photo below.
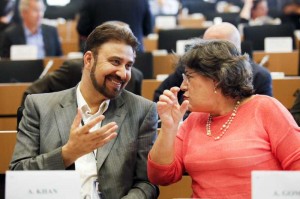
(188, 26)
(11, 96)
(152, 64)
(149, 63)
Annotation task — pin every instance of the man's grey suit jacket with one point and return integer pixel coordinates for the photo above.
(121, 163)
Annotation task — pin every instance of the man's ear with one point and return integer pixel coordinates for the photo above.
(88, 60)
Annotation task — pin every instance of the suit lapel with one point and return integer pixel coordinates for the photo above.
(116, 112)
(65, 114)
(20, 38)
(47, 45)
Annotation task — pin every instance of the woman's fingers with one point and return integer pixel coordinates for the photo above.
(184, 106)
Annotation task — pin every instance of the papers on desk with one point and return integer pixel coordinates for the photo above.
(278, 44)
(277, 75)
(275, 184)
(165, 22)
(23, 52)
(42, 184)
(161, 77)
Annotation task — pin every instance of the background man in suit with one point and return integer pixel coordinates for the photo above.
(6, 13)
(136, 13)
(31, 31)
(262, 80)
(112, 150)
(69, 75)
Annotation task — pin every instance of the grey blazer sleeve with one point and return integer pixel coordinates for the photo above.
(30, 153)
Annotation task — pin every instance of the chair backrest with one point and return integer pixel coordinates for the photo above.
(257, 34)
(144, 62)
(230, 17)
(246, 47)
(20, 71)
(199, 6)
(167, 38)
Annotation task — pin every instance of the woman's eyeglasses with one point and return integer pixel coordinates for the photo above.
(186, 77)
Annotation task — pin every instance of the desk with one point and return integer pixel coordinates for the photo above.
(57, 62)
(150, 44)
(7, 143)
(284, 89)
(67, 31)
(180, 189)
(148, 88)
(69, 46)
(280, 62)
(191, 21)
(11, 96)
(164, 64)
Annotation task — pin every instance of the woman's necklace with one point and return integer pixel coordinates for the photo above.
(225, 126)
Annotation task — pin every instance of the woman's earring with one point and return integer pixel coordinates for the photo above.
(215, 91)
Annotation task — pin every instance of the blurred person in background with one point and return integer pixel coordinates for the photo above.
(164, 7)
(31, 31)
(291, 11)
(262, 80)
(136, 13)
(6, 13)
(255, 12)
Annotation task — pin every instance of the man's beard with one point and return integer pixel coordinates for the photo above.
(102, 89)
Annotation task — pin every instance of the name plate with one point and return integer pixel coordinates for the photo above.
(278, 44)
(42, 184)
(275, 184)
(23, 52)
(165, 22)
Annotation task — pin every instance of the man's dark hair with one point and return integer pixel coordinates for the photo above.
(110, 31)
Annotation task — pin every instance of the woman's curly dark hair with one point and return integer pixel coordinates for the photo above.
(221, 61)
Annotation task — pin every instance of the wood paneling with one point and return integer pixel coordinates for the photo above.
(7, 144)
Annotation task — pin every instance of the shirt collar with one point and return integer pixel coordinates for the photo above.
(82, 104)
(28, 33)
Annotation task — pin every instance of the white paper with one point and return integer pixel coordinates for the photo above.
(23, 52)
(42, 184)
(165, 22)
(278, 44)
(161, 77)
(275, 184)
(277, 75)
